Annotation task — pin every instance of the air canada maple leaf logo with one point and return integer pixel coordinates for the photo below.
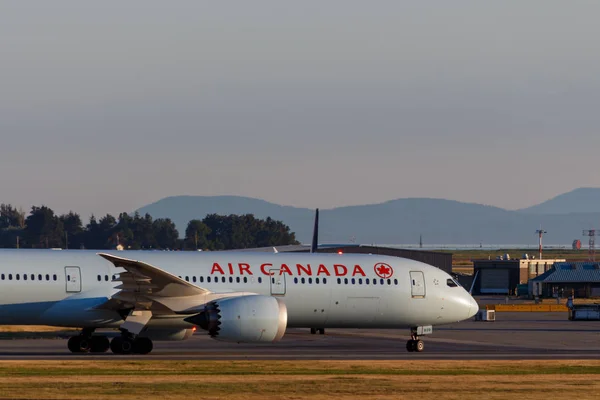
(383, 270)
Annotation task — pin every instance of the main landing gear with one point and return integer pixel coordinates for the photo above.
(86, 343)
(128, 344)
(314, 331)
(415, 344)
(124, 344)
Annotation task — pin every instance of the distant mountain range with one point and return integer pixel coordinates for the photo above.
(402, 221)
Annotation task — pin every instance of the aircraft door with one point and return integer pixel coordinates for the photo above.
(417, 284)
(73, 279)
(277, 282)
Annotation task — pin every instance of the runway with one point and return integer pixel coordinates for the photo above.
(513, 336)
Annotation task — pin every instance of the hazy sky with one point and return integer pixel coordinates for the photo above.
(107, 106)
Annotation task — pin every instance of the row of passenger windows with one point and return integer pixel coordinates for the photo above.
(25, 277)
(215, 279)
(367, 281)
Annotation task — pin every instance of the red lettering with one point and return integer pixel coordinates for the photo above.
(245, 267)
(307, 269)
(264, 271)
(323, 270)
(338, 268)
(230, 265)
(286, 269)
(216, 267)
(358, 270)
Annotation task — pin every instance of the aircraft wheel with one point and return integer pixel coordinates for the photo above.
(313, 331)
(121, 345)
(410, 346)
(419, 346)
(78, 344)
(321, 331)
(99, 344)
(142, 345)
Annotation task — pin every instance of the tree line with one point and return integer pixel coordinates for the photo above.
(42, 228)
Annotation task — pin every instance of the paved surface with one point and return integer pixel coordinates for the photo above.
(512, 336)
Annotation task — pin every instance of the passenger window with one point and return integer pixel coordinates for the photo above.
(99, 278)
(339, 281)
(303, 280)
(451, 283)
(353, 281)
(223, 279)
(259, 279)
(106, 278)
(208, 279)
(18, 277)
(47, 277)
(360, 281)
(187, 278)
(10, 277)
(396, 282)
(367, 281)
(2, 276)
(54, 277)
(295, 280)
(39, 277)
(33, 277)
(316, 280)
(201, 279)
(324, 280)
(382, 281)
(346, 281)
(194, 279)
(231, 279)
(24, 277)
(389, 281)
(245, 280)
(309, 280)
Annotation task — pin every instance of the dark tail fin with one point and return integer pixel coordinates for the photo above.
(315, 238)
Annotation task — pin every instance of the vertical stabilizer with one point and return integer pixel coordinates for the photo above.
(315, 238)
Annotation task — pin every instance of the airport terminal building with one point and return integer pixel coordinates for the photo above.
(502, 276)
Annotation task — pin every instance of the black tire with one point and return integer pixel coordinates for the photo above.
(321, 331)
(142, 345)
(120, 345)
(78, 344)
(313, 331)
(410, 346)
(99, 344)
(73, 344)
(419, 346)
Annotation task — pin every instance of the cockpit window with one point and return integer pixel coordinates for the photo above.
(451, 282)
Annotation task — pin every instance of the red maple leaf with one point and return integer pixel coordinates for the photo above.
(384, 271)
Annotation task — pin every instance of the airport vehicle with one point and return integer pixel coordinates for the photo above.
(232, 296)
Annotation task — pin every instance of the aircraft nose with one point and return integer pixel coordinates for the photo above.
(473, 307)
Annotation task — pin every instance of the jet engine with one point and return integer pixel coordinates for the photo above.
(253, 318)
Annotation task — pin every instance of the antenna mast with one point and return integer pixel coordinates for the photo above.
(540, 233)
(592, 233)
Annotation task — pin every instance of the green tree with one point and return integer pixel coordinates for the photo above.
(73, 227)
(165, 234)
(43, 228)
(196, 235)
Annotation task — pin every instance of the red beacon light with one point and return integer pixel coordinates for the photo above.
(340, 252)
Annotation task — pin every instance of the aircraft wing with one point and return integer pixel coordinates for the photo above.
(143, 285)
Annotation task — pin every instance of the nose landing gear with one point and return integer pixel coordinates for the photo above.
(415, 344)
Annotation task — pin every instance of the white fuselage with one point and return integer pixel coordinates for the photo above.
(64, 288)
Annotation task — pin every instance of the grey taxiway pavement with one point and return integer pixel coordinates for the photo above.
(512, 336)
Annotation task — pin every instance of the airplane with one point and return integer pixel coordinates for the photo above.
(232, 296)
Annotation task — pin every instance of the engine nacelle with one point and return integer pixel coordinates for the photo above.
(167, 334)
(252, 318)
